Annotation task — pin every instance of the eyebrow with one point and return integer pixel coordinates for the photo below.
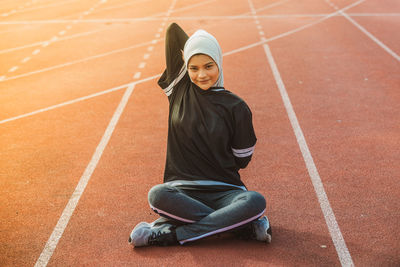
(208, 63)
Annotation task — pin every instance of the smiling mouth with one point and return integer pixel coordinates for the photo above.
(206, 81)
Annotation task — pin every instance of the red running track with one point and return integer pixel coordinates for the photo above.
(67, 116)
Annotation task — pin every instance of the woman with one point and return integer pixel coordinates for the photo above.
(210, 137)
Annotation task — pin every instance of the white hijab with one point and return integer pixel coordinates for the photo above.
(201, 42)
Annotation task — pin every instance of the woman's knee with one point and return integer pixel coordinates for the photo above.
(159, 194)
(255, 201)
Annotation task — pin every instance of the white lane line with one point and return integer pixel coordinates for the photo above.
(151, 47)
(238, 50)
(233, 17)
(25, 59)
(43, 6)
(374, 14)
(135, 2)
(372, 37)
(306, 26)
(149, 19)
(79, 99)
(146, 56)
(54, 39)
(139, 1)
(95, 31)
(22, 9)
(137, 75)
(271, 5)
(37, 51)
(330, 219)
(13, 69)
(159, 30)
(123, 20)
(79, 61)
(83, 181)
(362, 29)
(246, 47)
(62, 223)
(117, 6)
(142, 65)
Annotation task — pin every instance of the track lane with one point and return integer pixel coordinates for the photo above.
(41, 159)
(380, 27)
(73, 80)
(138, 155)
(51, 9)
(147, 144)
(346, 111)
(243, 48)
(312, 235)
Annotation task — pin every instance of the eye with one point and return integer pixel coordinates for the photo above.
(193, 68)
(210, 66)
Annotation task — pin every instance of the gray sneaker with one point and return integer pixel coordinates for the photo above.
(262, 230)
(140, 234)
(144, 234)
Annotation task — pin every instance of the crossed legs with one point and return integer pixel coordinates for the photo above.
(201, 213)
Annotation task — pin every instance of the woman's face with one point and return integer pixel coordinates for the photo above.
(203, 71)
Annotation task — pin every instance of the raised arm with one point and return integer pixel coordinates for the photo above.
(175, 40)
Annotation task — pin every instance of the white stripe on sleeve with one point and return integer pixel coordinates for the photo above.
(168, 90)
(242, 153)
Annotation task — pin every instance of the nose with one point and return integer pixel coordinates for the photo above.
(202, 73)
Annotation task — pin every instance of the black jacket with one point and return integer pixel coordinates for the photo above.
(210, 132)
